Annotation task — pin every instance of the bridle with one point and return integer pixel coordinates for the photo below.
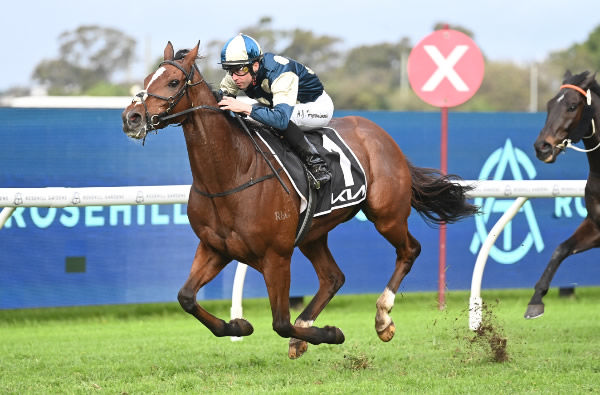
(152, 121)
(566, 143)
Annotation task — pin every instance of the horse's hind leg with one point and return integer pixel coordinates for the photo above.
(407, 250)
(585, 237)
(331, 280)
(207, 264)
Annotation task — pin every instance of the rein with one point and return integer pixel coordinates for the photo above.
(189, 110)
(153, 121)
(567, 142)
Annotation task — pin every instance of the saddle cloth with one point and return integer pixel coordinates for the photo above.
(348, 185)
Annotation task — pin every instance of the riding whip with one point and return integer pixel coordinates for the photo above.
(245, 127)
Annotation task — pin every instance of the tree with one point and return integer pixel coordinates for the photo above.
(505, 87)
(88, 55)
(368, 77)
(458, 28)
(578, 57)
(317, 52)
(364, 77)
(264, 34)
(62, 77)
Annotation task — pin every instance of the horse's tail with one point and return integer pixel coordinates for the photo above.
(437, 198)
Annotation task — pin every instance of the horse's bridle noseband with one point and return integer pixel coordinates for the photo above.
(152, 121)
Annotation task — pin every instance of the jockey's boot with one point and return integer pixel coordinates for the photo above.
(308, 153)
(315, 163)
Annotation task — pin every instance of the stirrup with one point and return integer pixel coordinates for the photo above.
(319, 176)
(316, 184)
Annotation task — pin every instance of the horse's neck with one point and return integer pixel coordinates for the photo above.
(219, 153)
(592, 142)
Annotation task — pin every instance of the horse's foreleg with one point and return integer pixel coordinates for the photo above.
(331, 280)
(276, 271)
(207, 264)
(585, 237)
(407, 250)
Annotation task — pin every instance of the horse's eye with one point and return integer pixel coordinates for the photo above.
(173, 83)
(572, 107)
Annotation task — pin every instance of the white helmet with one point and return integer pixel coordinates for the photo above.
(240, 50)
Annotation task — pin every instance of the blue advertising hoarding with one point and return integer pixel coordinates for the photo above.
(133, 254)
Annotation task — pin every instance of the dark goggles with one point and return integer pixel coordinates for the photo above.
(240, 71)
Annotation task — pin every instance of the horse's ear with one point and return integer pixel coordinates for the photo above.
(191, 56)
(589, 78)
(169, 53)
(567, 75)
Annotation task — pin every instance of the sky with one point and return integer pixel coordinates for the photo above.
(521, 31)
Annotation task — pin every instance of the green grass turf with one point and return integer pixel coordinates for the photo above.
(157, 348)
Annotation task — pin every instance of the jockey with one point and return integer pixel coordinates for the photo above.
(290, 96)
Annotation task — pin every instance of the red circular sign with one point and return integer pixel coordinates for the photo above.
(445, 69)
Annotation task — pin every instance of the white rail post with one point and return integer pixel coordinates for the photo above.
(475, 302)
(237, 294)
(5, 215)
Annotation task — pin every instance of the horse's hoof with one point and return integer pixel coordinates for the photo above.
(534, 311)
(239, 327)
(336, 336)
(388, 333)
(297, 348)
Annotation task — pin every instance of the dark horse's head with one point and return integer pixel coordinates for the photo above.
(165, 95)
(569, 115)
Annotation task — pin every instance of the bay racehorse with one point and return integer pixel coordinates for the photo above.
(573, 115)
(236, 217)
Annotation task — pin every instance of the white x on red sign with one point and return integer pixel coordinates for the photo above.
(446, 68)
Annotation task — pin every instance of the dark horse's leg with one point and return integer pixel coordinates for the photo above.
(331, 280)
(586, 236)
(276, 271)
(207, 264)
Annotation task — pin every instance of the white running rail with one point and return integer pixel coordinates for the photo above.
(521, 191)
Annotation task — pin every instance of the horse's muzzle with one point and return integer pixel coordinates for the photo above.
(544, 151)
(133, 124)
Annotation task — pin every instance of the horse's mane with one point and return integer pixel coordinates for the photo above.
(180, 54)
(579, 78)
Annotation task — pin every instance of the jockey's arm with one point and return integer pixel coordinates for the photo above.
(235, 105)
(228, 87)
(285, 95)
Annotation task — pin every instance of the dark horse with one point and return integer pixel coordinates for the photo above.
(257, 225)
(573, 115)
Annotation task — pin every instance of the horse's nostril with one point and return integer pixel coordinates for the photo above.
(544, 151)
(134, 118)
(546, 147)
(543, 147)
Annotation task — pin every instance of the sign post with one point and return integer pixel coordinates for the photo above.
(445, 69)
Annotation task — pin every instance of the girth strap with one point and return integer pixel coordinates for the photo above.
(236, 189)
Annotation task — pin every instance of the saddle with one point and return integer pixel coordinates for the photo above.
(348, 185)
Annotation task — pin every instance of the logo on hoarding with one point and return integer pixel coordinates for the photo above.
(500, 162)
